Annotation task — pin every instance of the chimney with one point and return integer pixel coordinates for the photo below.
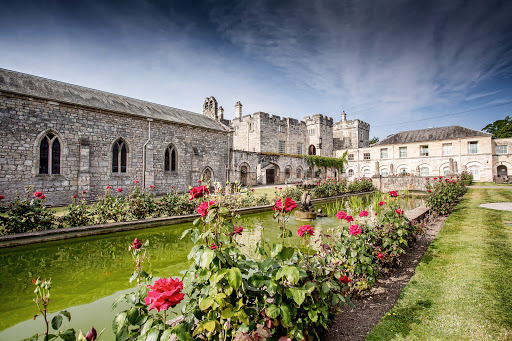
(238, 110)
(343, 116)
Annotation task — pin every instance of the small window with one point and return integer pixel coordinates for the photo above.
(251, 127)
(299, 148)
(384, 172)
(350, 173)
(287, 173)
(424, 171)
(473, 147)
(282, 147)
(403, 152)
(299, 173)
(384, 153)
(171, 159)
(475, 170)
(119, 155)
(367, 173)
(350, 157)
(424, 150)
(446, 170)
(501, 149)
(312, 132)
(49, 155)
(366, 156)
(447, 149)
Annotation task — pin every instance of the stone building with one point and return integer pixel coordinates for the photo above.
(432, 152)
(64, 139)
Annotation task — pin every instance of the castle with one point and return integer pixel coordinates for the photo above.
(67, 140)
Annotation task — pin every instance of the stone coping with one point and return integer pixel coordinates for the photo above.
(89, 230)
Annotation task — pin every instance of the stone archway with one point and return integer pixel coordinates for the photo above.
(272, 172)
(502, 171)
(312, 150)
(207, 174)
(244, 174)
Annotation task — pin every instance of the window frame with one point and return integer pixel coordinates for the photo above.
(299, 148)
(366, 156)
(282, 147)
(503, 146)
(471, 150)
(51, 167)
(382, 157)
(120, 143)
(168, 163)
(350, 157)
(444, 149)
(424, 153)
(400, 150)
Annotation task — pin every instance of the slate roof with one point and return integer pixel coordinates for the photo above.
(431, 134)
(22, 83)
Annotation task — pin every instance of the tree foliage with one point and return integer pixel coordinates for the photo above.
(374, 140)
(500, 128)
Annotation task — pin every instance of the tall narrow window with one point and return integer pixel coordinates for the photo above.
(119, 155)
(171, 159)
(424, 150)
(403, 152)
(49, 155)
(473, 148)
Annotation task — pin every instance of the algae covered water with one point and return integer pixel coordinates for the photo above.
(89, 273)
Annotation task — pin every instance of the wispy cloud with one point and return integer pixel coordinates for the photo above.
(482, 94)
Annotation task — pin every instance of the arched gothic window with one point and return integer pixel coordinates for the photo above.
(119, 154)
(171, 159)
(49, 154)
(350, 172)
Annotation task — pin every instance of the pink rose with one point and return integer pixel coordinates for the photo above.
(349, 218)
(198, 181)
(213, 246)
(84, 192)
(74, 196)
(202, 209)
(165, 293)
(119, 190)
(285, 205)
(393, 194)
(151, 186)
(363, 214)
(38, 194)
(198, 192)
(399, 211)
(354, 230)
(305, 229)
(42, 197)
(136, 244)
(238, 230)
(341, 215)
(136, 181)
(108, 187)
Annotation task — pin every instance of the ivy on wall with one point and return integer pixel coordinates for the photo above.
(319, 161)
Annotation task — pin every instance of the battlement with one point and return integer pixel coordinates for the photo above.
(319, 119)
(351, 124)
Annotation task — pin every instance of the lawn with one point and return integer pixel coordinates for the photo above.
(462, 288)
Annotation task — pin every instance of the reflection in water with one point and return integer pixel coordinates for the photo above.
(87, 269)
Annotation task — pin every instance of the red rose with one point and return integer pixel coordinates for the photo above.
(381, 203)
(136, 181)
(165, 293)
(151, 186)
(74, 196)
(344, 279)
(38, 194)
(399, 211)
(341, 215)
(380, 255)
(363, 214)
(429, 191)
(2, 197)
(280, 188)
(83, 192)
(108, 187)
(354, 230)
(172, 186)
(213, 246)
(349, 218)
(287, 205)
(136, 244)
(305, 229)
(198, 181)
(198, 192)
(393, 194)
(42, 197)
(238, 230)
(203, 207)
(119, 190)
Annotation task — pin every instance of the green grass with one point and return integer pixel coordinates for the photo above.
(462, 288)
(489, 184)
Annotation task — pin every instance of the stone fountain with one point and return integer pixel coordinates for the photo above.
(306, 210)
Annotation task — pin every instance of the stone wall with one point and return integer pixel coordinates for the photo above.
(87, 136)
(398, 183)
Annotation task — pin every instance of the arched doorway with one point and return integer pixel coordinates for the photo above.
(243, 175)
(287, 173)
(312, 150)
(502, 171)
(271, 172)
(475, 170)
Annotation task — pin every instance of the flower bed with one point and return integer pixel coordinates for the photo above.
(443, 193)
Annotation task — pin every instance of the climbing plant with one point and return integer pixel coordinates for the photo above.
(323, 161)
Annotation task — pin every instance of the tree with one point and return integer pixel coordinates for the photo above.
(374, 140)
(500, 128)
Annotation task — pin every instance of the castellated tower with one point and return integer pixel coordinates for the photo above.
(319, 135)
(350, 134)
(238, 110)
(211, 107)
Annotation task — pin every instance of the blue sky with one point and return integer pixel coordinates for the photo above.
(384, 62)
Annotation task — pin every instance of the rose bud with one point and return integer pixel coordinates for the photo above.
(91, 335)
(136, 244)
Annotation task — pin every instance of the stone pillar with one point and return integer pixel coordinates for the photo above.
(391, 171)
(221, 113)
(84, 177)
(451, 166)
(377, 171)
(455, 167)
(149, 176)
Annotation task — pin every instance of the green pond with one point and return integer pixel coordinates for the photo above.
(89, 273)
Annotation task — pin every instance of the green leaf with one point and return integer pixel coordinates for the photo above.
(153, 335)
(68, 335)
(165, 335)
(122, 334)
(313, 315)
(133, 278)
(216, 277)
(147, 326)
(132, 315)
(226, 313)
(33, 338)
(298, 295)
(286, 316)
(326, 287)
(188, 230)
(266, 264)
(234, 278)
(117, 301)
(66, 314)
(56, 322)
(273, 311)
(211, 325)
(276, 248)
(257, 281)
(118, 322)
(206, 303)
(286, 253)
(291, 273)
(206, 258)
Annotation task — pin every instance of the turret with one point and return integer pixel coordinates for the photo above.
(238, 110)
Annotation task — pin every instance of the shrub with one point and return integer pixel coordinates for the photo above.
(361, 185)
(443, 193)
(141, 203)
(110, 208)
(77, 213)
(466, 178)
(173, 204)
